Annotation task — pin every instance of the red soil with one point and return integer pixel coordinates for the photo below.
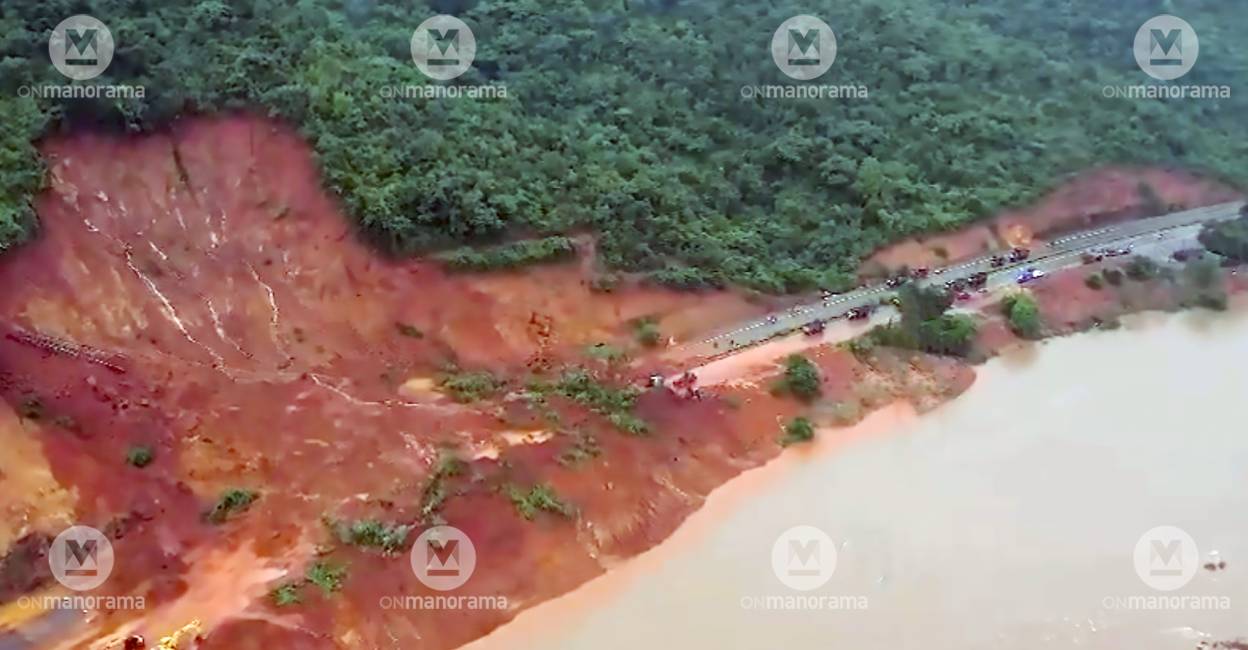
(197, 292)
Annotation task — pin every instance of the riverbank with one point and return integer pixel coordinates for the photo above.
(991, 522)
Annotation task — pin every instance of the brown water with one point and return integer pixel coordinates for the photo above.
(1007, 519)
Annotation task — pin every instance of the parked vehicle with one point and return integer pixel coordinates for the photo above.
(858, 313)
(897, 281)
(1019, 254)
(977, 280)
(1093, 258)
(814, 328)
(1029, 275)
(997, 261)
(920, 273)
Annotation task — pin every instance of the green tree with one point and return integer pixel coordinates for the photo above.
(1023, 315)
(801, 378)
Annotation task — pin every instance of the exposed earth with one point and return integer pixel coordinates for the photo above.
(197, 294)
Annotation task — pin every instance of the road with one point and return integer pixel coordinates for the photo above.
(1161, 235)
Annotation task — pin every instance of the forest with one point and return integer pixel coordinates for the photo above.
(625, 118)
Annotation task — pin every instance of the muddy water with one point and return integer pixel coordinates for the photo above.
(1007, 519)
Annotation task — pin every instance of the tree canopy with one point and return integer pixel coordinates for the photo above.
(626, 117)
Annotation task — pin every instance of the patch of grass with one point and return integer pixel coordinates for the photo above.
(465, 387)
(370, 533)
(286, 595)
(615, 404)
(539, 498)
(798, 430)
(231, 502)
(327, 576)
(140, 456)
(605, 352)
(435, 492)
(583, 449)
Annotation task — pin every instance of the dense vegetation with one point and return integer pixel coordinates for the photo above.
(625, 117)
(801, 378)
(1227, 238)
(926, 324)
(1023, 315)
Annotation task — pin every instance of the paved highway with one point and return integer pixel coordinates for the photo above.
(1157, 235)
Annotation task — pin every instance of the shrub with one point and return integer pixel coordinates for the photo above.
(797, 430)
(1114, 277)
(801, 378)
(231, 502)
(647, 332)
(468, 387)
(1142, 268)
(1095, 282)
(140, 456)
(539, 498)
(327, 576)
(286, 595)
(369, 533)
(950, 334)
(1023, 315)
(1227, 238)
(510, 256)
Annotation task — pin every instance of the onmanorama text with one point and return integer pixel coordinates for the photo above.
(794, 602)
(1164, 602)
(439, 91)
(444, 602)
(82, 91)
(1166, 92)
(83, 602)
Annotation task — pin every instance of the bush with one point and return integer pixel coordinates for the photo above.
(231, 502)
(797, 430)
(801, 378)
(539, 498)
(1023, 314)
(327, 576)
(1142, 269)
(1113, 277)
(648, 333)
(951, 334)
(286, 595)
(616, 404)
(140, 456)
(1095, 282)
(1227, 238)
(465, 387)
(510, 256)
(388, 538)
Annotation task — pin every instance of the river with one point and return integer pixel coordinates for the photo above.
(1009, 518)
